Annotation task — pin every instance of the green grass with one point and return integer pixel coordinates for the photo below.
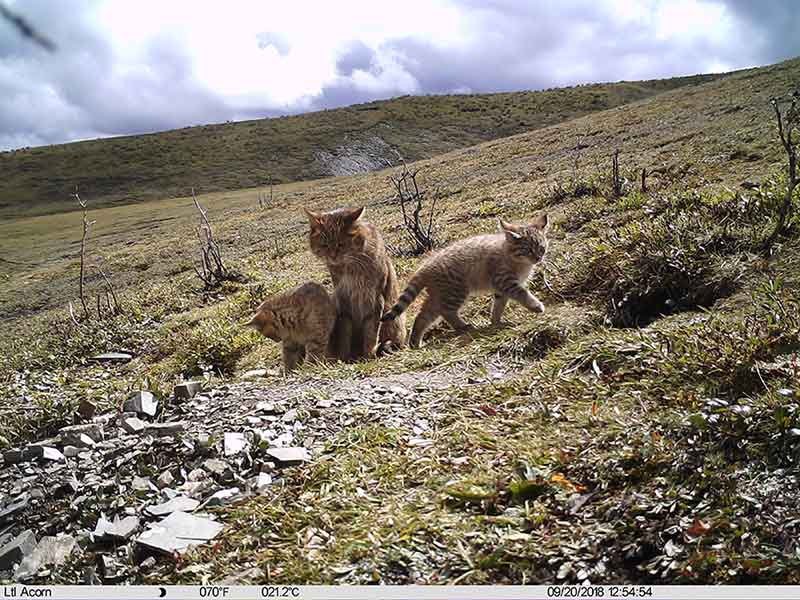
(669, 419)
(230, 156)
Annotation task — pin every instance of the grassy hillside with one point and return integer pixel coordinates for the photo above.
(231, 156)
(642, 430)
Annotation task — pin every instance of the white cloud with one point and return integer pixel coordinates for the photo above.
(125, 67)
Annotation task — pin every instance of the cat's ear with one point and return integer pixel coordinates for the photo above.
(541, 222)
(313, 218)
(355, 214)
(509, 229)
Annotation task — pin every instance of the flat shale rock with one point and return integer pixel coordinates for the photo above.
(76, 435)
(132, 424)
(165, 429)
(178, 504)
(108, 357)
(289, 456)
(178, 532)
(10, 510)
(141, 402)
(187, 390)
(120, 529)
(87, 409)
(17, 549)
(51, 550)
(235, 443)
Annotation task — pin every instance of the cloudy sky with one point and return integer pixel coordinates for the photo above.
(130, 67)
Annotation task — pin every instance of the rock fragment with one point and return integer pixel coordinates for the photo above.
(187, 390)
(141, 402)
(17, 549)
(178, 532)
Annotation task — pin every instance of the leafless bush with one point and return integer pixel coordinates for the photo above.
(411, 198)
(263, 203)
(787, 117)
(616, 180)
(212, 270)
(112, 304)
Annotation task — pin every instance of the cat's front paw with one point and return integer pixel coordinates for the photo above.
(537, 306)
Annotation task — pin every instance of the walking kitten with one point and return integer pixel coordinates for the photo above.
(500, 261)
(364, 279)
(302, 318)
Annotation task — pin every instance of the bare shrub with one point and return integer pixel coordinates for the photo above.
(112, 305)
(787, 117)
(420, 234)
(212, 270)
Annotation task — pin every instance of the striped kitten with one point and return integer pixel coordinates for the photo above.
(501, 262)
(302, 318)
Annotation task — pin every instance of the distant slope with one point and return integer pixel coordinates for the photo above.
(342, 141)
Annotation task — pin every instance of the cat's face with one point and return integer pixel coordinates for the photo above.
(337, 234)
(528, 242)
(264, 323)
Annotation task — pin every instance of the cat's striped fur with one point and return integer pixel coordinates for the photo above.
(302, 318)
(501, 262)
(364, 279)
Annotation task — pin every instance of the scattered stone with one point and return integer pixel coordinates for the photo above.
(120, 529)
(87, 409)
(112, 357)
(110, 570)
(148, 563)
(262, 482)
(12, 457)
(178, 504)
(178, 532)
(289, 416)
(217, 467)
(254, 374)
(235, 443)
(165, 480)
(267, 407)
(221, 497)
(247, 577)
(786, 392)
(165, 429)
(289, 456)
(142, 403)
(11, 510)
(203, 442)
(17, 549)
(140, 484)
(53, 454)
(71, 451)
(132, 424)
(187, 390)
(50, 551)
(196, 489)
(81, 435)
(197, 475)
(324, 403)
(253, 421)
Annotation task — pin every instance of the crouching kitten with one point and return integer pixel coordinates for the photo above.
(302, 319)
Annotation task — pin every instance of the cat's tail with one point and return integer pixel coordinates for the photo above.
(413, 289)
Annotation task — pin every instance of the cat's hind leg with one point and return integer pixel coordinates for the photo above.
(427, 317)
(451, 303)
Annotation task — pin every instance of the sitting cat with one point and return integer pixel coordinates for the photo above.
(302, 318)
(364, 280)
(500, 261)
